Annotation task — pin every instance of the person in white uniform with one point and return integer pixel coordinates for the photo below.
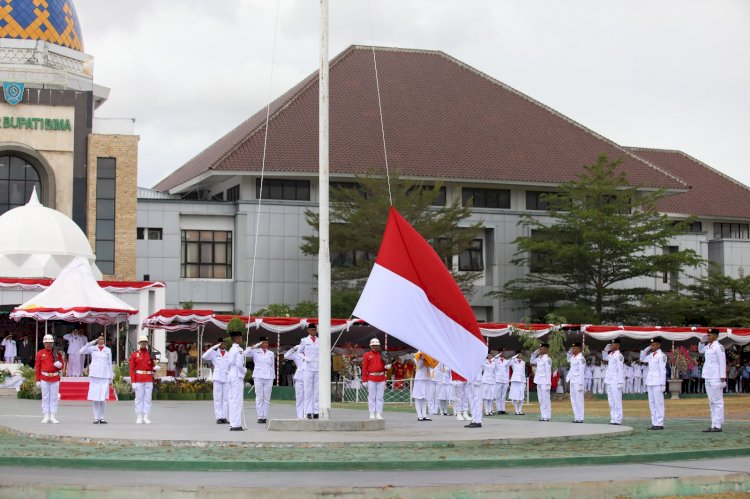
(309, 351)
(76, 341)
(10, 353)
(474, 395)
(598, 376)
(543, 380)
(443, 378)
(488, 385)
(219, 357)
(588, 377)
(615, 379)
(644, 372)
(637, 377)
(460, 400)
(143, 368)
(715, 374)
(421, 384)
(299, 379)
(629, 374)
(575, 377)
(517, 383)
(237, 372)
(502, 381)
(100, 376)
(432, 390)
(656, 380)
(263, 376)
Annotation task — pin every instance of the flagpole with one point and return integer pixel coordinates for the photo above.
(324, 261)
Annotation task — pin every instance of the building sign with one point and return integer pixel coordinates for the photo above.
(49, 124)
(13, 92)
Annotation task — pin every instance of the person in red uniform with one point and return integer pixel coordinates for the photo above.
(48, 366)
(142, 368)
(373, 375)
(399, 374)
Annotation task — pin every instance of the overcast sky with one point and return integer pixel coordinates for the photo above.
(671, 74)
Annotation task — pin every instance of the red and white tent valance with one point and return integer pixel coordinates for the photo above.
(16, 284)
(669, 333)
(177, 319)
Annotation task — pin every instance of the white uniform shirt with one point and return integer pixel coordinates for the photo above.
(488, 372)
(715, 366)
(220, 362)
(587, 372)
(629, 371)
(443, 374)
(543, 363)
(265, 363)
(75, 343)
(519, 370)
(577, 366)
(598, 371)
(294, 355)
(501, 370)
(10, 347)
(657, 367)
(237, 367)
(637, 371)
(615, 368)
(309, 351)
(423, 372)
(101, 360)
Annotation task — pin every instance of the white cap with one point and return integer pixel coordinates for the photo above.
(142, 337)
(374, 341)
(48, 338)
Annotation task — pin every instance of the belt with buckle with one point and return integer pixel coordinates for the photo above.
(144, 372)
(50, 374)
(379, 373)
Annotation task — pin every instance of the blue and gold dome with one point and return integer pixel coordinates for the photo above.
(53, 21)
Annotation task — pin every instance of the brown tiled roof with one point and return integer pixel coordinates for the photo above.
(442, 119)
(712, 194)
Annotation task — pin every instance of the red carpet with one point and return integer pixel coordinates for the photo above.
(78, 389)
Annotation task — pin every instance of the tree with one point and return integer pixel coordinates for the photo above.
(721, 300)
(358, 214)
(302, 309)
(602, 232)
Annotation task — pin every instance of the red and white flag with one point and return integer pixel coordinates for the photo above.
(411, 295)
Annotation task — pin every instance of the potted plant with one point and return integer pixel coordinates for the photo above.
(680, 362)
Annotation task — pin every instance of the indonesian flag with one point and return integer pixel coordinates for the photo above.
(411, 295)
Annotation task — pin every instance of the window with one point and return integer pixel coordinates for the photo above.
(18, 178)
(486, 198)
(151, 234)
(443, 248)
(535, 201)
(233, 193)
(219, 196)
(206, 254)
(350, 258)
(731, 231)
(691, 228)
(139, 233)
(472, 259)
(105, 214)
(440, 198)
(289, 190)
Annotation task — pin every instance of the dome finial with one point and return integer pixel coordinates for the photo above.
(34, 198)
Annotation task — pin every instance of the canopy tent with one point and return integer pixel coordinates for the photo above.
(75, 296)
(18, 284)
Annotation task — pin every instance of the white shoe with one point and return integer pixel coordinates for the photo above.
(46, 419)
(466, 416)
(378, 415)
(372, 415)
(52, 419)
(459, 417)
(139, 420)
(146, 420)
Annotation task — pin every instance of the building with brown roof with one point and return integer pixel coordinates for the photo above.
(443, 120)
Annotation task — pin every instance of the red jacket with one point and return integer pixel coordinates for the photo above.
(45, 363)
(372, 362)
(141, 361)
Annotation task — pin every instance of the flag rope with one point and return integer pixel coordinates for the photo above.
(380, 107)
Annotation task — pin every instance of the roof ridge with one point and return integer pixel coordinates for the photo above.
(558, 113)
(686, 155)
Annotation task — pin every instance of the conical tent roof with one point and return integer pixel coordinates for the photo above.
(74, 296)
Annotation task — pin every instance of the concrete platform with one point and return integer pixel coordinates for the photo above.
(325, 425)
(192, 423)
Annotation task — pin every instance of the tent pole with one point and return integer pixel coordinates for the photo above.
(278, 356)
(117, 342)
(36, 336)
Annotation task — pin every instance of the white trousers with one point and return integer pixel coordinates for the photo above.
(99, 408)
(263, 389)
(460, 402)
(432, 404)
(143, 397)
(587, 382)
(375, 393)
(9, 360)
(576, 401)
(656, 404)
(421, 406)
(311, 390)
(637, 385)
(221, 399)
(545, 406)
(474, 395)
(614, 396)
(50, 396)
(75, 364)
(628, 385)
(501, 396)
(299, 397)
(715, 393)
(598, 385)
(235, 402)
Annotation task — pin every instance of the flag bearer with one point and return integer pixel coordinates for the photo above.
(48, 366)
(488, 385)
(309, 351)
(237, 372)
(299, 379)
(373, 374)
(502, 381)
(142, 368)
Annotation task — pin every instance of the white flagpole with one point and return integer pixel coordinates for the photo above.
(324, 261)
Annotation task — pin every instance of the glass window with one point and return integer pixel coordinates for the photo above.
(105, 214)
(486, 198)
(535, 201)
(154, 234)
(472, 259)
(290, 190)
(139, 233)
(233, 193)
(731, 231)
(18, 178)
(206, 254)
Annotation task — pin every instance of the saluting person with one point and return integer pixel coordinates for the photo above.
(517, 383)
(263, 376)
(299, 379)
(488, 385)
(502, 381)
(615, 379)
(309, 351)
(48, 365)
(656, 379)
(715, 374)
(142, 369)
(219, 357)
(575, 377)
(543, 380)
(100, 375)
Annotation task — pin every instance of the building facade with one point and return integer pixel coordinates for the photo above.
(444, 121)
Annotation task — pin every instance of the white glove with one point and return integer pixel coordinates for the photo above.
(704, 338)
(216, 346)
(57, 364)
(38, 384)
(257, 344)
(607, 347)
(156, 368)
(387, 366)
